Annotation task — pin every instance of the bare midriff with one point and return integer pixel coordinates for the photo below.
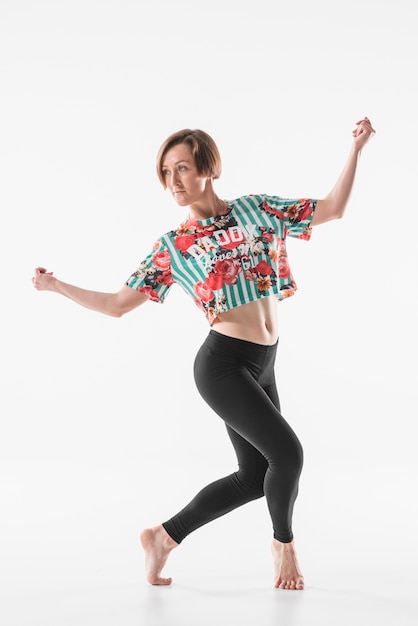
(256, 321)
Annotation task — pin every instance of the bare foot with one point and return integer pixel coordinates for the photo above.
(157, 545)
(286, 569)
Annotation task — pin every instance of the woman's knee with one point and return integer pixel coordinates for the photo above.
(288, 459)
(250, 483)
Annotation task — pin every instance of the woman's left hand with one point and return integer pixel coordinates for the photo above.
(363, 132)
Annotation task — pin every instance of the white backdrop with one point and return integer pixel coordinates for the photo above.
(102, 431)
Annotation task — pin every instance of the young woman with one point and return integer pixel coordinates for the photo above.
(230, 257)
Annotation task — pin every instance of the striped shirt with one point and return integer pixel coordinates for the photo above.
(231, 259)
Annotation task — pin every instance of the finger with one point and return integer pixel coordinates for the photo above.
(365, 122)
(363, 127)
(42, 270)
(367, 128)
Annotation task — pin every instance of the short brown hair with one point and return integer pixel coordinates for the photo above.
(204, 150)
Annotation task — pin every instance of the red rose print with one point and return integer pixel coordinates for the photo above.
(203, 292)
(284, 269)
(150, 292)
(228, 270)
(305, 210)
(250, 275)
(162, 260)
(281, 247)
(269, 209)
(214, 281)
(263, 268)
(232, 244)
(199, 304)
(306, 235)
(168, 279)
(184, 242)
(165, 278)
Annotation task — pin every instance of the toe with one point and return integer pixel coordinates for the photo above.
(157, 580)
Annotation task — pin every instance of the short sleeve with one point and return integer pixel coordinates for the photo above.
(296, 214)
(153, 277)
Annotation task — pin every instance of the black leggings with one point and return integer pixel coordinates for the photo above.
(236, 379)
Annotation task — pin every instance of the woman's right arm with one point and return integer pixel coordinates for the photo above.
(114, 304)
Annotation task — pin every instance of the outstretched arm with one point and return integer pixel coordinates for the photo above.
(114, 304)
(333, 205)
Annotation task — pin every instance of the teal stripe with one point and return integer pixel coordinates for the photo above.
(232, 296)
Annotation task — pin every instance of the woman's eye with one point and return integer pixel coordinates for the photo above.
(165, 172)
(182, 168)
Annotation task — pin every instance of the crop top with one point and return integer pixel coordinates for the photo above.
(231, 259)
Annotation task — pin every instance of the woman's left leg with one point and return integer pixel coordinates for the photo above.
(236, 379)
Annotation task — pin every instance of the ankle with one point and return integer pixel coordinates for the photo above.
(168, 541)
(283, 547)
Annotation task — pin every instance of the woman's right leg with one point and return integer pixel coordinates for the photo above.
(225, 494)
(212, 501)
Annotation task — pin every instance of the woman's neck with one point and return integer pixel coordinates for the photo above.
(207, 208)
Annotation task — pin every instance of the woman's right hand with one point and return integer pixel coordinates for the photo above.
(43, 280)
(114, 304)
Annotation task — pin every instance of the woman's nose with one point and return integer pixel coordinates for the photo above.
(174, 179)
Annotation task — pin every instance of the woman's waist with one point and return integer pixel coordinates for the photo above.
(256, 322)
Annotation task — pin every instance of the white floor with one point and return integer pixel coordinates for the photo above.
(76, 574)
(333, 597)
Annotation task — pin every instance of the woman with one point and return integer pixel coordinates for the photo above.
(230, 257)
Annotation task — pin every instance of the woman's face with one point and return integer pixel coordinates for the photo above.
(181, 176)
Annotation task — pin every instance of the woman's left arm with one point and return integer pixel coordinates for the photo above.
(333, 205)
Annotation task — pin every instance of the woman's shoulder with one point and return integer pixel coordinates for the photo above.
(250, 199)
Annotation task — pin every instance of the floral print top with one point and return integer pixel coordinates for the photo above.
(230, 259)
